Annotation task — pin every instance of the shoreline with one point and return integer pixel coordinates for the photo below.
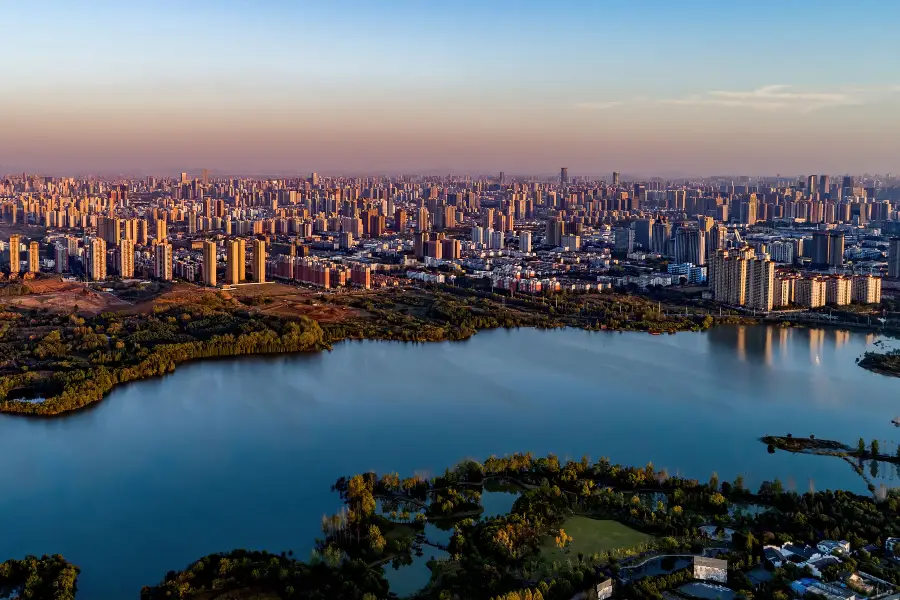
(26, 409)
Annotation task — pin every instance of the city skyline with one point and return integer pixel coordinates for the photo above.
(273, 87)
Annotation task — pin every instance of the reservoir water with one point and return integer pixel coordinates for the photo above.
(229, 454)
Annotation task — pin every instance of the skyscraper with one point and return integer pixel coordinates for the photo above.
(209, 263)
(15, 247)
(836, 250)
(564, 177)
(34, 257)
(162, 261)
(616, 177)
(126, 258)
(894, 258)
(812, 185)
(690, 246)
(242, 260)
(820, 253)
(259, 261)
(643, 233)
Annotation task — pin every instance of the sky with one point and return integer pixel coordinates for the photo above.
(692, 87)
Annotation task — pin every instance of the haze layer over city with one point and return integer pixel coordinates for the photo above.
(449, 301)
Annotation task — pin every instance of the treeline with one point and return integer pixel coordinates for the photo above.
(245, 572)
(78, 388)
(44, 578)
(886, 363)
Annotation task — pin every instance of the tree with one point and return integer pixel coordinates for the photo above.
(714, 482)
(862, 446)
(739, 483)
(875, 448)
(563, 539)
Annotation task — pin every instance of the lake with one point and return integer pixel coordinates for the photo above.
(242, 453)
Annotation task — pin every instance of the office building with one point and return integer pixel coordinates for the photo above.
(624, 241)
(97, 259)
(15, 256)
(126, 258)
(162, 261)
(659, 240)
(451, 249)
(258, 264)
(616, 179)
(836, 250)
(866, 289)
(34, 257)
(643, 233)
(894, 258)
(564, 177)
(810, 292)
(209, 263)
(690, 246)
(820, 250)
(812, 186)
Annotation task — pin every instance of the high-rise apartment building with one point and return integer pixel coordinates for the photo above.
(97, 259)
(209, 263)
(820, 252)
(61, 257)
(233, 260)
(258, 266)
(126, 258)
(810, 292)
(616, 179)
(242, 262)
(34, 257)
(866, 289)
(162, 261)
(162, 231)
(729, 275)
(525, 241)
(564, 177)
(838, 290)
(761, 284)
(15, 256)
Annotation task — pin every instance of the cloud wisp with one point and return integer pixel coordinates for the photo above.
(598, 105)
(771, 97)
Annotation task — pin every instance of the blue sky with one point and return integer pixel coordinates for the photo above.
(695, 87)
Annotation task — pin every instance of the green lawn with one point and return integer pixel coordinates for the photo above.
(593, 535)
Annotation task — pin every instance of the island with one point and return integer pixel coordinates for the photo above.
(577, 529)
(885, 363)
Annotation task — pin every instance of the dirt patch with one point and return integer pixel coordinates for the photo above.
(56, 295)
(287, 301)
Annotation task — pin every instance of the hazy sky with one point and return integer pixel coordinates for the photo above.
(699, 87)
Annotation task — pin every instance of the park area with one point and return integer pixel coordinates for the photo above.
(591, 536)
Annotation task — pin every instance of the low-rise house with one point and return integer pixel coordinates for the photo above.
(710, 569)
(774, 555)
(826, 590)
(818, 565)
(827, 547)
(800, 554)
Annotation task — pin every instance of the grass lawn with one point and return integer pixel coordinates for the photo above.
(592, 535)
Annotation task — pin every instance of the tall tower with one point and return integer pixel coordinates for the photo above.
(894, 258)
(97, 269)
(233, 262)
(259, 261)
(564, 176)
(209, 263)
(15, 246)
(162, 261)
(126, 258)
(242, 263)
(616, 178)
(34, 257)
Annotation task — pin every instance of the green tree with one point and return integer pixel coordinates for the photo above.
(862, 446)
(875, 448)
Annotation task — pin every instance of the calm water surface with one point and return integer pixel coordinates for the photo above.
(242, 453)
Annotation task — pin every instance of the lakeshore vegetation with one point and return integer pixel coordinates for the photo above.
(52, 363)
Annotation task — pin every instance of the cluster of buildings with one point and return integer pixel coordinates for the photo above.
(758, 243)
